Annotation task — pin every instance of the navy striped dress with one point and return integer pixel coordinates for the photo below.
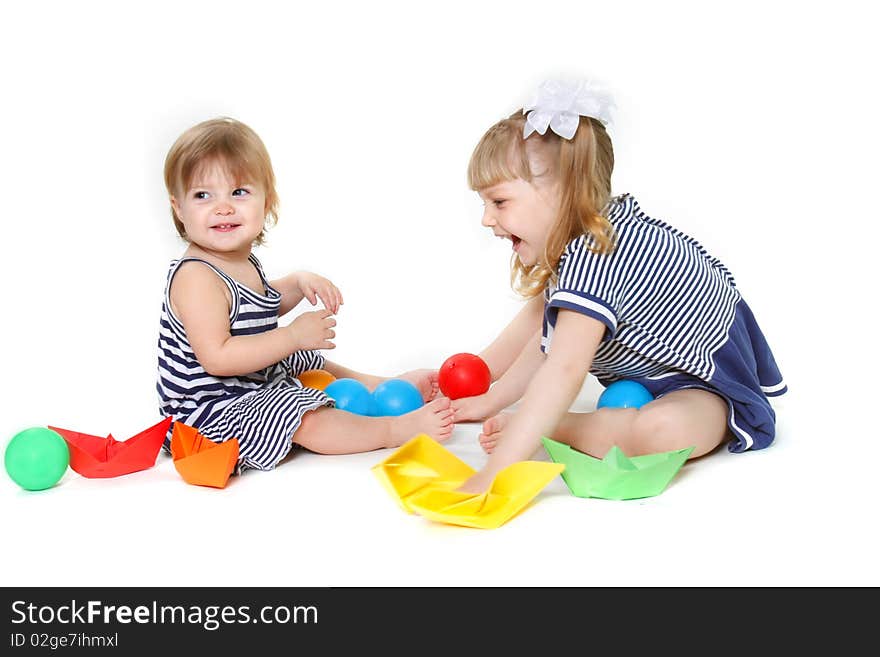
(674, 319)
(262, 410)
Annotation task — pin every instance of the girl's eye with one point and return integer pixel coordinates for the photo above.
(240, 192)
(200, 195)
(498, 204)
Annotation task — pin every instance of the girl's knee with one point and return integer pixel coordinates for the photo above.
(665, 427)
(660, 428)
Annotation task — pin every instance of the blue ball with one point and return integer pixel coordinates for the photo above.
(624, 394)
(351, 396)
(396, 397)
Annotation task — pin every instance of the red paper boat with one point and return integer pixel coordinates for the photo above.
(96, 457)
(199, 460)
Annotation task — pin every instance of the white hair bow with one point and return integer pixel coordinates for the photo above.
(559, 104)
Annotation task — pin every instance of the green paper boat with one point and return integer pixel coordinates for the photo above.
(616, 477)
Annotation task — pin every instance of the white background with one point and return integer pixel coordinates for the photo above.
(753, 128)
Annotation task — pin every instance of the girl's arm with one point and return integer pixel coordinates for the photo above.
(508, 389)
(303, 284)
(511, 342)
(549, 394)
(200, 300)
(511, 386)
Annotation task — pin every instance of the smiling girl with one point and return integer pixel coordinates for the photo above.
(226, 367)
(613, 292)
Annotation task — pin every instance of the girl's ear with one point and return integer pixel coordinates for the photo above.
(175, 207)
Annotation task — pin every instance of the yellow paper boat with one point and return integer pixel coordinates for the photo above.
(511, 490)
(420, 462)
(422, 476)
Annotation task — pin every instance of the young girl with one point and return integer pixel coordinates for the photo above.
(225, 365)
(613, 292)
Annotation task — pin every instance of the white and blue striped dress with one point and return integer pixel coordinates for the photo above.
(674, 319)
(262, 410)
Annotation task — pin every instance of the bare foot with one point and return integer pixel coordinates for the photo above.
(427, 382)
(492, 430)
(470, 409)
(434, 419)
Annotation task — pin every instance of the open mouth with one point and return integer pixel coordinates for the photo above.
(513, 239)
(225, 228)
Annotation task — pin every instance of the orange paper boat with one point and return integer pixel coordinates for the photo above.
(199, 460)
(95, 457)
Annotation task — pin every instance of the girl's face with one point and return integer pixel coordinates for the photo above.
(524, 214)
(221, 216)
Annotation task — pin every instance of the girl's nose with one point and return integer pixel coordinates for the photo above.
(488, 220)
(224, 208)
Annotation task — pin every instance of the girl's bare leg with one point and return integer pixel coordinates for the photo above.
(331, 431)
(680, 419)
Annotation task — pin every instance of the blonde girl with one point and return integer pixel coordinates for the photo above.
(610, 291)
(225, 364)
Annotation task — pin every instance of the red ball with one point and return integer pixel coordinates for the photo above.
(464, 375)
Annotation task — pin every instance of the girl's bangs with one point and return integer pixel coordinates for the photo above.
(498, 157)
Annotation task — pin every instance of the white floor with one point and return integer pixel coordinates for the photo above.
(789, 515)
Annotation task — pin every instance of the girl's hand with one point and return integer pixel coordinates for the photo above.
(314, 287)
(427, 381)
(313, 330)
(474, 409)
(478, 483)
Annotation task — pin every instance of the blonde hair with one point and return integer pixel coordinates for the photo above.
(580, 166)
(234, 146)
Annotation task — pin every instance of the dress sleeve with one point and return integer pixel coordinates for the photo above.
(588, 284)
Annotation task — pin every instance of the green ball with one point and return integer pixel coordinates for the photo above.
(36, 458)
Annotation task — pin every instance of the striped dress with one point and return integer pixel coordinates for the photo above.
(673, 317)
(263, 409)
